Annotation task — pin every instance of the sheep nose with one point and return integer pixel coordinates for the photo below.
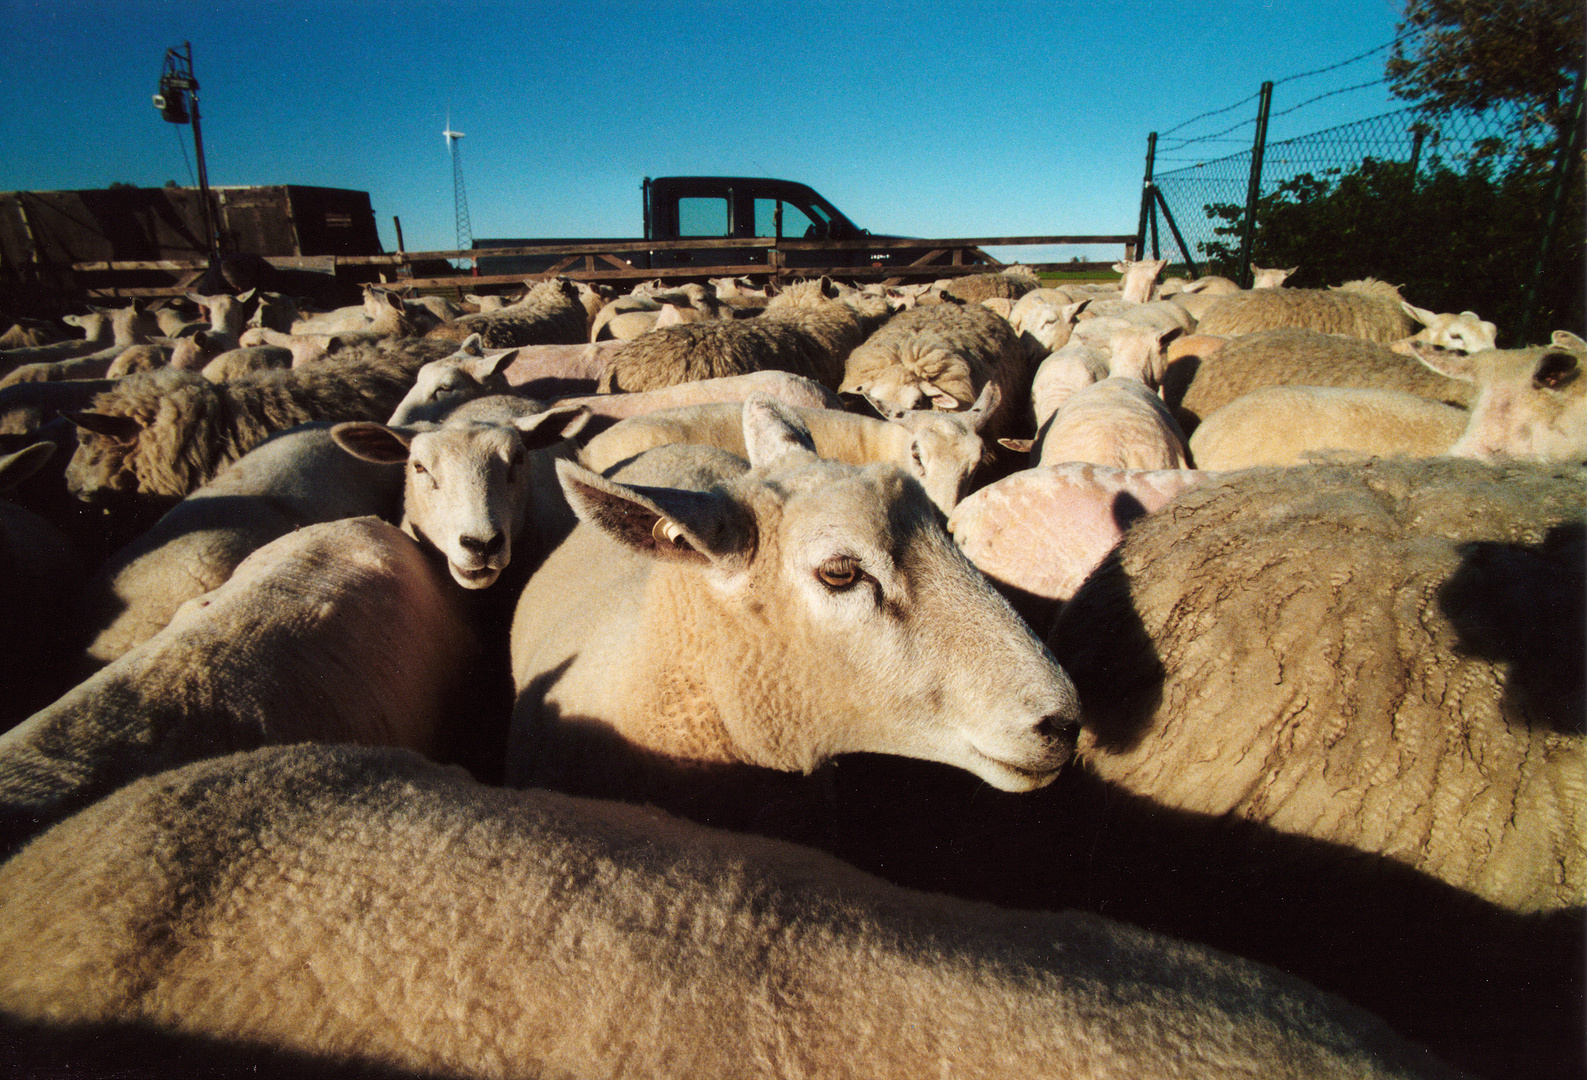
(483, 548)
(1060, 729)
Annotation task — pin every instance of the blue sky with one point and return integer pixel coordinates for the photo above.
(924, 118)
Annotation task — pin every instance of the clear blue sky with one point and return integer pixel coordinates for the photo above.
(923, 118)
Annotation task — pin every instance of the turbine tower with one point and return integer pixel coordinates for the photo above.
(465, 232)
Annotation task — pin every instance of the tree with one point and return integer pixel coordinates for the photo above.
(1472, 55)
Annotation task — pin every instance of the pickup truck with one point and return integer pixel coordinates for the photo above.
(721, 208)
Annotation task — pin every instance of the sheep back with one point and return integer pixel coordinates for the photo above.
(1369, 310)
(550, 313)
(1387, 657)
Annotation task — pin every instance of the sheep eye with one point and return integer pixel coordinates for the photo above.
(914, 455)
(420, 469)
(839, 573)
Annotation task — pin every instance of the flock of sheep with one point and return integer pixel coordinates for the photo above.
(1188, 679)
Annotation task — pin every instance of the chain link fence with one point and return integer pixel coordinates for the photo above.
(1454, 208)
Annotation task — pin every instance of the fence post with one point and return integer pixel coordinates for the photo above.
(1147, 205)
(1569, 149)
(1254, 190)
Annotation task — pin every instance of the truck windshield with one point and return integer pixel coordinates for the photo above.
(798, 222)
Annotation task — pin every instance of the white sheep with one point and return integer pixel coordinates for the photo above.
(468, 479)
(550, 312)
(1367, 309)
(1530, 404)
(340, 632)
(773, 617)
(1383, 657)
(288, 481)
(1116, 422)
(1287, 425)
(941, 450)
(1042, 530)
(363, 908)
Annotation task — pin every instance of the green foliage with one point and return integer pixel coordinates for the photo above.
(1455, 239)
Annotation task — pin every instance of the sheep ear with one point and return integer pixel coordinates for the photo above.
(123, 429)
(986, 404)
(369, 441)
(772, 430)
(663, 523)
(1019, 446)
(1556, 370)
(940, 399)
(18, 465)
(1421, 315)
(553, 425)
(473, 345)
(1566, 340)
(483, 367)
(1455, 365)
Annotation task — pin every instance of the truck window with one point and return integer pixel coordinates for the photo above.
(702, 217)
(797, 222)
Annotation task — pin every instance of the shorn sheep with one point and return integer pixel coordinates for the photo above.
(365, 908)
(341, 632)
(773, 615)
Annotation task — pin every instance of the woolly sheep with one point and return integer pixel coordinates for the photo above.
(1287, 425)
(1011, 282)
(244, 359)
(1197, 385)
(341, 632)
(290, 480)
(550, 313)
(1116, 422)
(1386, 657)
(1366, 309)
(941, 450)
(802, 331)
(941, 357)
(773, 618)
(467, 488)
(162, 434)
(363, 908)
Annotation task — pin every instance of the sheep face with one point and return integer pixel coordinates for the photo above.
(841, 618)
(1531, 403)
(467, 486)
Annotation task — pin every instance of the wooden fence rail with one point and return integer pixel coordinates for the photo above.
(601, 260)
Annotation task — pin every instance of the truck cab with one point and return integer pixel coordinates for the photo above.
(725, 207)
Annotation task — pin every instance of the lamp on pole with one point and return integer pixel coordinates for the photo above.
(178, 104)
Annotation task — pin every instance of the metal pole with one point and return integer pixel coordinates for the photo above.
(203, 169)
(1146, 195)
(1254, 190)
(1569, 151)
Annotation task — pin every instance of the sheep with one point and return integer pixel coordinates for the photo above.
(802, 331)
(1138, 278)
(941, 357)
(1411, 687)
(1011, 282)
(41, 580)
(1531, 404)
(768, 618)
(941, 450)
(1287, 425)
(102, 330)
(550, 313)
(1115, 349)
(1269, 278)
(1042, 530)
(1366, 309)
(29, 333)
(290, 480)
(340, 631)
(1116, 422)
(161, 434)
(649, 302)
(1043, 327)
(467, 489)
(363, 908)
(245, 359)
(1195, 386)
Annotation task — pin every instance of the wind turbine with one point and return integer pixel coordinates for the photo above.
(465, 232)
